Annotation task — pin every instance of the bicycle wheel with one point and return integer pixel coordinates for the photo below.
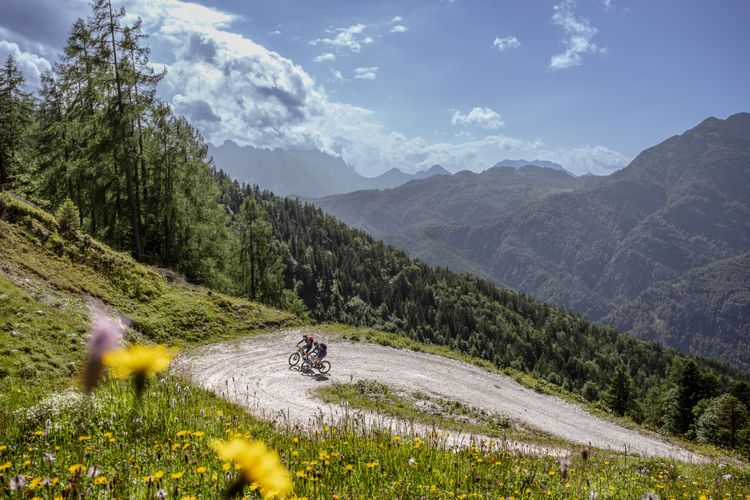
(324, 367)
(306, 366)
(294, 359)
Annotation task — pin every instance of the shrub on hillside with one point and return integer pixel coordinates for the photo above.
(67, 217)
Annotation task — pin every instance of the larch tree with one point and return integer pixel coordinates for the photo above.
(15, 116)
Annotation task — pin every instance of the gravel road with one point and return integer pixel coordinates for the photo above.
(255, 373)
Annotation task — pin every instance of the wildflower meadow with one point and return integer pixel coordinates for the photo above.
(143, 433)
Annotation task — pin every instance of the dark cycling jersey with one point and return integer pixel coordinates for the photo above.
(308, 343)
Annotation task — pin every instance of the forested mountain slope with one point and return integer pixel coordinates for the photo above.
(464, 197)
(633, 248)
(342, 274)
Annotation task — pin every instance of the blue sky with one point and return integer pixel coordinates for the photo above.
(586, 83)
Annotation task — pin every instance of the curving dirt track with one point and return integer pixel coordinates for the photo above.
(255, 373)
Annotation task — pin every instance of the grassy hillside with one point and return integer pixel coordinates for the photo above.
(51, 281)
(54, 442)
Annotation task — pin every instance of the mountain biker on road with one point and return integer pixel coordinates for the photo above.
(308, 340)
(320, 351)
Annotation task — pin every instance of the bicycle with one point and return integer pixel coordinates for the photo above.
(312, 361)
(296, 356)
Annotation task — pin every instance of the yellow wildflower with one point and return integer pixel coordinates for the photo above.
(84, 438)
(101, 480)
(35, 482)
(176, 475)
(348, 467)
(200, 470)
(258, 464)
(158, 475)
(75, 469)
(198, 434)
(138, 360)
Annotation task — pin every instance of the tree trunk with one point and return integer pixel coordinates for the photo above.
(133, 202)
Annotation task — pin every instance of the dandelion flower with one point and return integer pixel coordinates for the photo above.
(139, 361)
(258, 464)
(75, 469)
(35, 482)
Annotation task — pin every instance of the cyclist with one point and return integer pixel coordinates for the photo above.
(320, 352)
(308, 340)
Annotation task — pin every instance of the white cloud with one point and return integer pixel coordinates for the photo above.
(579, 34)
(397, 19)
(367, 73)
(506, 43)
(233, 88)
(325, 56)
(31, 65)
(275, 32)
(350, 39)
(598, 160)
(337, 76)
(399, 28)
(481, 117)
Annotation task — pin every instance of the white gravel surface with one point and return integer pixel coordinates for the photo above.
(255, 373)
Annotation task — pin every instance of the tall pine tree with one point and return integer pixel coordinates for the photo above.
(15, 114)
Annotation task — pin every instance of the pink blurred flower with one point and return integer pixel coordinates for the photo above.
(106, 334)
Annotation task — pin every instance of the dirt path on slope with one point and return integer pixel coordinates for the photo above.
(255, 373)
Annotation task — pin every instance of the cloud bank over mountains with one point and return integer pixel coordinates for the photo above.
(231, 87)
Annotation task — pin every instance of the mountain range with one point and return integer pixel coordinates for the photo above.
(308, 173)
(537, 163)
(660, 249)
